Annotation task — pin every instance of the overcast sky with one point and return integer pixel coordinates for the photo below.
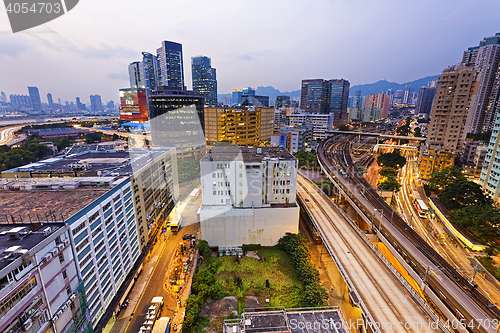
(251, 43)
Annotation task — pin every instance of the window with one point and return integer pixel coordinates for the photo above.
(215, 192)
(64, 274)
(61, 257)
(68, 290)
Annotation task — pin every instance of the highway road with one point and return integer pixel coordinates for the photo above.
(434, 234)
(384, 296)
(459, 300)
(7, 134)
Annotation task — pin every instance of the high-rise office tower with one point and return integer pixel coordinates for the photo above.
(357, 99)
(204, 79)
(79, 104)
(95, 103)
(136, 75)
(149, 68)
(49, 99)
(450, 118)
(3, 97)
(408, 95)
(170, 71)
(326, 96)
(424, 100)
(282, 102)
(36, 102)
(177, 120)
(485, 57)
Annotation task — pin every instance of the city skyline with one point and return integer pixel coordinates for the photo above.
(100, 53)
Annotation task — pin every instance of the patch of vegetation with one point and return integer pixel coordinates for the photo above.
(326, 186)
(389, 184)
(306, 159)
(250, 247)
(388, 172)
(393, 160)
(487, 262)
(441, 178)
(188, 170)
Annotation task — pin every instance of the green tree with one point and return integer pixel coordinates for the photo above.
(393, 160)
(93, 137)
(443, 177)
(39, 150)
(463, 192)
(482, 221)
(388, 172)
(204, 249)
(306, 159)
(389, 184)
(315, 295)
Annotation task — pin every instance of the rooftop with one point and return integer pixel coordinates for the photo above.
(328, 320)
(246, 154)
(14, 238)
(42, 205)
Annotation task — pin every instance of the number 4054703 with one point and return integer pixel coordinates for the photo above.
(40, 7)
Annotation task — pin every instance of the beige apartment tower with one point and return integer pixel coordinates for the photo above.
(450, 117)
(239, 125)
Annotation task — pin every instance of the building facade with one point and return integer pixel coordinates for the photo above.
(96, 103)
(381, 101)
(170, 67)
(293, 139)
(40, 290)
(134, 105)
(282, 102)
(239, 125)
(177, 120)
(326, 96)
(490, 174)
(320, 122)
(204, 79)
(424, 100)
(451, 113)
(36, 102)
(248, 195)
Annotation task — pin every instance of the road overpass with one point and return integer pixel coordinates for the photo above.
(380, 295)
(376, 135)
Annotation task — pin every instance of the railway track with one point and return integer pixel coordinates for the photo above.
(337, 150)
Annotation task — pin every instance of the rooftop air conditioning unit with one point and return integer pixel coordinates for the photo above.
(66, 242)
(27, 324)
(56, 316)
(48, 256)
(60, 246)
(47, 231)
(64, 307)
(54, 252)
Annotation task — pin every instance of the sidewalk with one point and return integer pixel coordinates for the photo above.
(119, 323)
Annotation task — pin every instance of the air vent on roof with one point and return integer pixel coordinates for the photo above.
(47, 231)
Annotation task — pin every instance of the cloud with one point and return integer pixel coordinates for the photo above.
(10, 46)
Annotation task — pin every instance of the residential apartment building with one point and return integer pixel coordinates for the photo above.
(40, 289)
(248, 195)
(320, 122)
(486, 59)
(381, 101)
(490, 174)
(293, 139)
(239, 125)
(424, 100)
(431, 160)
(364, 114)
(450, 115)
(113, 202)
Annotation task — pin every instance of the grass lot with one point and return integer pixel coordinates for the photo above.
(247, 277)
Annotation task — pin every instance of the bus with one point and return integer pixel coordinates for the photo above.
(194, 194)
(176, 223)
(153, 313)
(162, 325)
(421, 208)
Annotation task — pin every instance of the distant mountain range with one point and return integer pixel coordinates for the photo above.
(366, 89)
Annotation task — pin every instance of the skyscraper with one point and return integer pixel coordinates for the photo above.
(408, 95)
(204, 79)
(381, 101)
(3, 97)
(136, 75)
(177, 120)
(326, 96)
(236, 96)
(170, 71)
(49, 99)
(485, 57)
(95, 103)
(490, 174)
(424, 100)
(36, 102)
(357, 99)
(282, 102)
(79, 104)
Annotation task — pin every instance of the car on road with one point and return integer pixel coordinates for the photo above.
(188, 236)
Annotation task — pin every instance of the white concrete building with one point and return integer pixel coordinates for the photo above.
(320, 122)
(40, 290)
(248, 195)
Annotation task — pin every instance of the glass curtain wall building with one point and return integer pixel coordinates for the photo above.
(204, 79)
